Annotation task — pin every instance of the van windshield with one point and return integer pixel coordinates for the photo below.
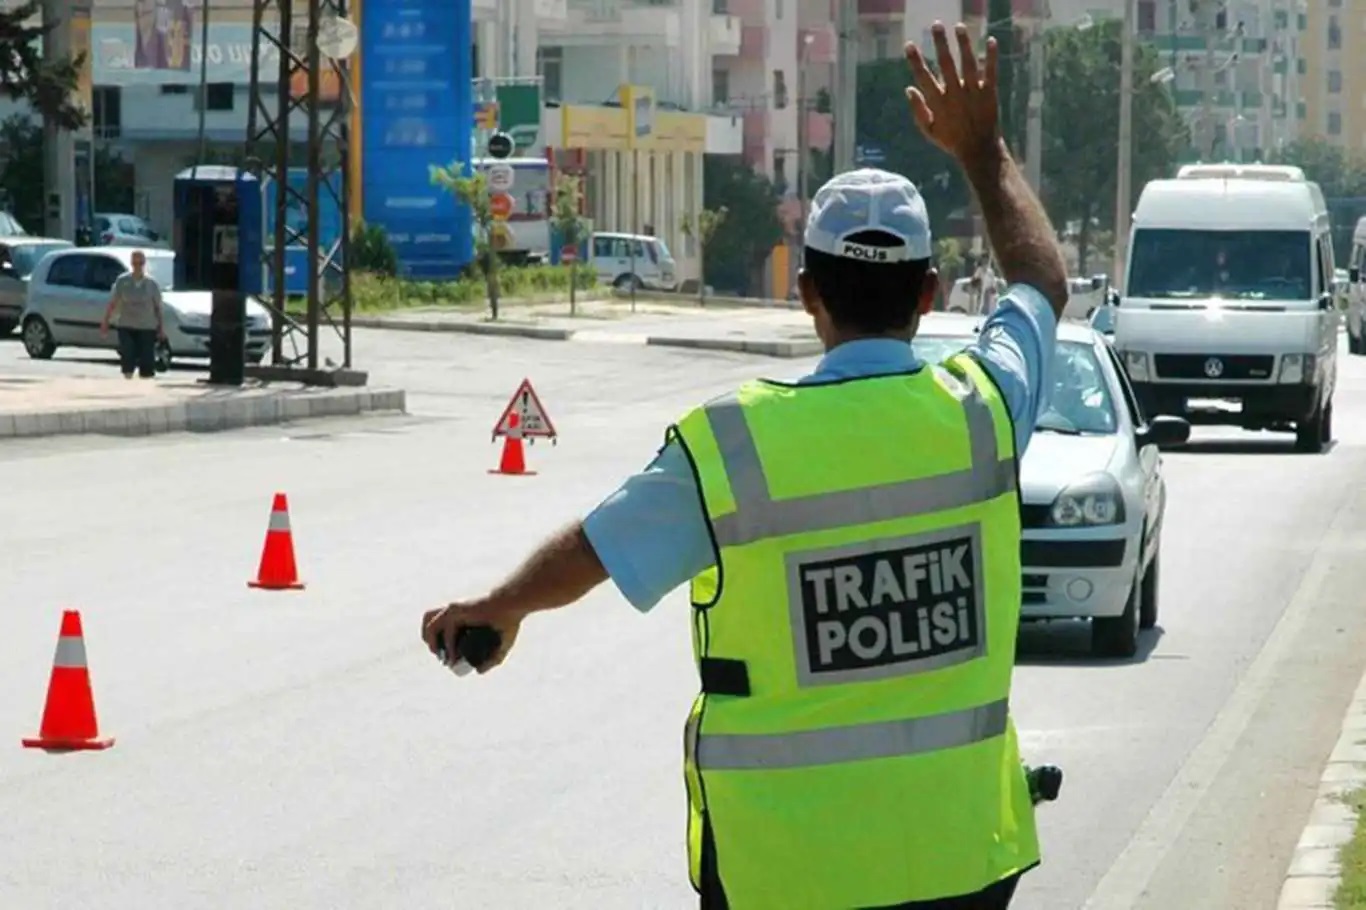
(1244, 265)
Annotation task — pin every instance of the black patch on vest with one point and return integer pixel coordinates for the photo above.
(896, 608)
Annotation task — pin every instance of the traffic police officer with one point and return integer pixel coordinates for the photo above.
(853, 545)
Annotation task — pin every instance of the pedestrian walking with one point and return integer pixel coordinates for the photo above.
(853, 545)
(135, 306)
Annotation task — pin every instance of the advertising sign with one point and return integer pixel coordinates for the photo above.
(329, 227)
(418, 111)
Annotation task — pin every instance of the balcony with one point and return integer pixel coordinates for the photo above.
(754, 43)
(621, 22)
(725, 135)
(820, 130)
(821, 50)
(881, 9)
(725, 35)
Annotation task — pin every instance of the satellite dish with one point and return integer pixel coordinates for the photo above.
(337, 37)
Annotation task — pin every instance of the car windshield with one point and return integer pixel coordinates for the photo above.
(1080, 402)
(26, 256)
(1243, 265)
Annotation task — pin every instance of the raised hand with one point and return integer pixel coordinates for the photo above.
(958, 110)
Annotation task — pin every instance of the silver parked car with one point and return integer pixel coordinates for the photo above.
(18, 258)
(1091, 487)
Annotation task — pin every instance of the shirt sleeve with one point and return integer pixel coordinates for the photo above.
(651, 534)
(1015, 346)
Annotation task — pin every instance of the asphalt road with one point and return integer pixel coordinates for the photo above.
(300, 750)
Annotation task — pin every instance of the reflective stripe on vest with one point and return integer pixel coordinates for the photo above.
(758, 516)
(860, 742)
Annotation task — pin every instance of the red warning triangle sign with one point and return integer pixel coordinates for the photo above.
(533, 420)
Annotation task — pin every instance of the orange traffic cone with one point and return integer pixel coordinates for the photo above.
(514, 456)
(278, 571)
(69, 716)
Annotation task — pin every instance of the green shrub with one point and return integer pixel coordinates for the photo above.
(371, 291)
(371, 251)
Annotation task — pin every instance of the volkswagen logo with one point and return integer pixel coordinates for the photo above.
(1214, 368)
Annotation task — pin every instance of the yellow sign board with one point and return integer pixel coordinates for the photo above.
(590, 127)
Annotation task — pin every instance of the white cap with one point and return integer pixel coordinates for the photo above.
(869, 200)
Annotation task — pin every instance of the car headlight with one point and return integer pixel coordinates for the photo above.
(1094, 500)
(193, 320)
(1297, 367)
(1136, 365)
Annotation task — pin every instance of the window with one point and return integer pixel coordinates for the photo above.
(779, 90)
(780, 172)
(103, 272)
(1147, 16)
(1334, 123)
(1334, 34)
(720, 87)
(1247, 265)
(1321, 270)
(67, 271)
(882, 42)
(1335, 82)
(216, 96)
(1130, 399)
(550, 67)
(107, 115)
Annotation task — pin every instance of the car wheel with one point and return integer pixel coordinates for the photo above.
(1147, 600)
(1354, 344)
(626, 283)
(1309, 434)
(7, 326)
(1326, 424)
(1117, 636)
(38, 339)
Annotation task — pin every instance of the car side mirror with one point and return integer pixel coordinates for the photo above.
(1164, 431)
(1326, 301)
(1354, 276)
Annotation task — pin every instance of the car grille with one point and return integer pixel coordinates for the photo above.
(1235, 366)
(1034, 515)
(1073, 554)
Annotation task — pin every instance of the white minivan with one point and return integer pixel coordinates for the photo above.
(625, 259)
(1226, 312)
(1356, 291)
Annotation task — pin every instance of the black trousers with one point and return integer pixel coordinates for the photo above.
(138, 351)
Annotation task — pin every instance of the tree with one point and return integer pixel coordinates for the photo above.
(47, 85)
(1341, 174)
(569, 224)
(885, 121)
(1001, 18)
(472, 189)
(709, 221)
(1081, 127)
(21, 175)
(751, 229)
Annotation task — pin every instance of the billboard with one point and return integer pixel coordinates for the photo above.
(162, 35)
(417, 103)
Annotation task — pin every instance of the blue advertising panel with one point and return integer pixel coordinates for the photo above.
(329, 226)
(417, 111)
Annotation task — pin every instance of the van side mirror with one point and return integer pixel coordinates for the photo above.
(1164, 431)
(1097, 282)
(1325, 301)
(1354, 275)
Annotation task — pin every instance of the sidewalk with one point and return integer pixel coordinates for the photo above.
(1313, 876)
(776, 331)
(59, 406)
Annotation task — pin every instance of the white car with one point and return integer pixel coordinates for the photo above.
(18, 257)
(116, 229)
(1091, 489)
(69, 291)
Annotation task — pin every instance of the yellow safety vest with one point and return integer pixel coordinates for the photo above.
(852, 746)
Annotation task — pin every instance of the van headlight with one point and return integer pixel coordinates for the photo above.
(1297, 368)
(1136, 365)
(1094, 500)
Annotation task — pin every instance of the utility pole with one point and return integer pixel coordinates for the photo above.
(1207, 23)
(846, 85)
(1124, 164)
(1034, 118)
(59, 145)
(803, 153)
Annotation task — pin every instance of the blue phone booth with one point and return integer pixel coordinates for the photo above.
(217, 239)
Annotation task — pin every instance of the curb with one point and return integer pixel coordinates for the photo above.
(765, 348)
(465, 328)
(203, 416)
(1313, 876)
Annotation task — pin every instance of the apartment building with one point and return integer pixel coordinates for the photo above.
(1332, 63)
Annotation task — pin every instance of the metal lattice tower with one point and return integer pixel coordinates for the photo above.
(289, 29)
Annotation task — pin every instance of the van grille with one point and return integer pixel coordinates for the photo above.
(1235, 366)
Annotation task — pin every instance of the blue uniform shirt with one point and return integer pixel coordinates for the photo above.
(651, 534)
